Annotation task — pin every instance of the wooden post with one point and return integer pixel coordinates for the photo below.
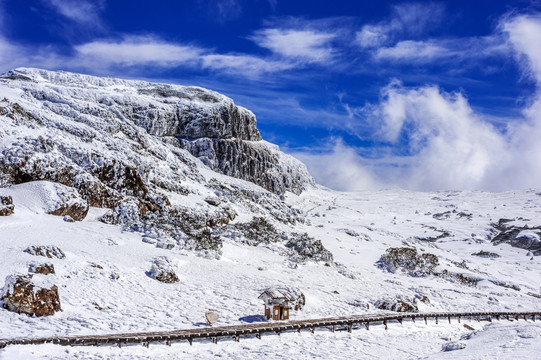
(258, 335)
(367, 325)
(399, 320)
(525, 318)
(277, 332)
(436, 320)
(489, 318)
(413, 319)
(385, 323)
(449, 317)
(508, 317)
(237, 338)
(190, 340)
(146, 344)
(119, 344)
(168, 342)
(498, 317)
(477, 318)
(299, 330)
(425, 321)
(459, 319)
(332, 328)
(215, 340)
(350, 327)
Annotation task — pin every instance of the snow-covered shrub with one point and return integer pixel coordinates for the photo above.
(260, 230)
(162, 270)
(305, 248)
(408, 260)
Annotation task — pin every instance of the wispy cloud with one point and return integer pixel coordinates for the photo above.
(139, 50)
(84, 12)
(244, 65)
(406, 20)
(302, 44)
(456, 50)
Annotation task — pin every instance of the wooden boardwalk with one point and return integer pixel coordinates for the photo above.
(256, 329)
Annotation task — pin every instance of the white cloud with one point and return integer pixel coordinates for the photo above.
(138, 50)
(524, 32)
(457, 50)
(372, 36)
(340, 168)
(81, 11)
(434, 140)
(302, 44)
(409, 19)
(414, 50)
(245, 65)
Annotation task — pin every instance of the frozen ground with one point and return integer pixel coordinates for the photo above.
(104, 286)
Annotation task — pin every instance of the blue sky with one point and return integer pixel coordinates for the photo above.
(417, 95)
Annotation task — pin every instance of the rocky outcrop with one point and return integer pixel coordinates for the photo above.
(306, 248)
(46, 251)
(22, 296)
(6, 205)
(44, 269)
(409, 261)
(257, 162)
(129, 146)
(400, 304)
(193, 118)
(523, 237)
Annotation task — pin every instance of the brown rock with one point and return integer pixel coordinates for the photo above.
(6, 205)
(20, 297)
(44, 269)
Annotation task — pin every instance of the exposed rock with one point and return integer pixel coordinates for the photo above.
(308, 248)
(486, 254)
(163, 271)
(399, 305)
(6, 205)
(258, 162)
(22, 296)
(47, 251)
(409, 261)
(523, 237)
(44, 269)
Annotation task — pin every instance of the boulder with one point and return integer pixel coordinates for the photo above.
(408, 260)
(6, 205)
(163, 271)
(22, 296)
(398, 305)
(47, 251)
(44, 269)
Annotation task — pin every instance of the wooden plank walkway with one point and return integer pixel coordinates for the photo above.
(256, 329)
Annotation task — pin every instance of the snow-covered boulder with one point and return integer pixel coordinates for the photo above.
(46, 251)
(6, 205)
(21, 295)
(408, 260)
(162, 269)
(399, 304)
(307, 248)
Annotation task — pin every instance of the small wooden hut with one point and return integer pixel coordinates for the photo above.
(277, 303)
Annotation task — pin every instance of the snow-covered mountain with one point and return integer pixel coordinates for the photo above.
(144, 205)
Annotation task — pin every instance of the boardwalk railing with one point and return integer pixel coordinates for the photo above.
(236, 331)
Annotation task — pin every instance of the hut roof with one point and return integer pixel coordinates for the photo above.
(278, 294)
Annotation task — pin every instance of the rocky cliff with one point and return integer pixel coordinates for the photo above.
(209, 125)
(133, 147)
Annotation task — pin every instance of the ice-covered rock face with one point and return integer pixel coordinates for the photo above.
(209, 125)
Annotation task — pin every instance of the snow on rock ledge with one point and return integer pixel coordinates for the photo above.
(44, 197)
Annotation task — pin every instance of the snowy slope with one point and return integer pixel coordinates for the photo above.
(254, 239)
